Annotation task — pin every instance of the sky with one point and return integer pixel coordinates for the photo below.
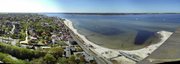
(29, 6)
(91, 6)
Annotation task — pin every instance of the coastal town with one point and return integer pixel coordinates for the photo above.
(39, 39)
(89, 31)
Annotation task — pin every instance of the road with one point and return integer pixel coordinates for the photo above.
(12, 30)
(99, 59)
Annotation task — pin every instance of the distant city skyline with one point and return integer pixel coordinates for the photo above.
(91, 6)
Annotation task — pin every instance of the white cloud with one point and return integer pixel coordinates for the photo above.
(28, 6)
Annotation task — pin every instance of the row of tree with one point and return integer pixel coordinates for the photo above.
(21, 53)
(8, 59)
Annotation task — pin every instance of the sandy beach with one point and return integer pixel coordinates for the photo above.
(114, 54)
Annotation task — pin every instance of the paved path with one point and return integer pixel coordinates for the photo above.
(131, 57)
(6, 40)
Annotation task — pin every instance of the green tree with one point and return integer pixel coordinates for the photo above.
(37, 61)
(21, 53)
(56, 52)
(72, 60)
(63, 60)
(6, 58)
(49, 59)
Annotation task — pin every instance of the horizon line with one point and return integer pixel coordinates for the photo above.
(91, 12)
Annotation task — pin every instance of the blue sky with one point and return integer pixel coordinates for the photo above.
(92, 6)
(120, 6)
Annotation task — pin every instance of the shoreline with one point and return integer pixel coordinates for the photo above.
(111, 53)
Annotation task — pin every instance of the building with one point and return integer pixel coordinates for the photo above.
(68, 51)
(87, 57)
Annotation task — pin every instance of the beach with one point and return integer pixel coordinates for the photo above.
(114, 54)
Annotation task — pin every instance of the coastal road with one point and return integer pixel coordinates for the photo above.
(99, 59)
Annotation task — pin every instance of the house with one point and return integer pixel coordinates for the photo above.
(53, 39)
(68, 51)
(45, 47)
(87, 57)
(73, 48)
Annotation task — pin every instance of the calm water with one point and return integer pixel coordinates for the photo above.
(122, 31)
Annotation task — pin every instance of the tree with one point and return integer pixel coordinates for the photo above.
(37, 61)
(6, 58)
(72, 60)
(21, 53)
(49, 59)
(82, 59)
(93, 62)
(56, 52)
(63, 60)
